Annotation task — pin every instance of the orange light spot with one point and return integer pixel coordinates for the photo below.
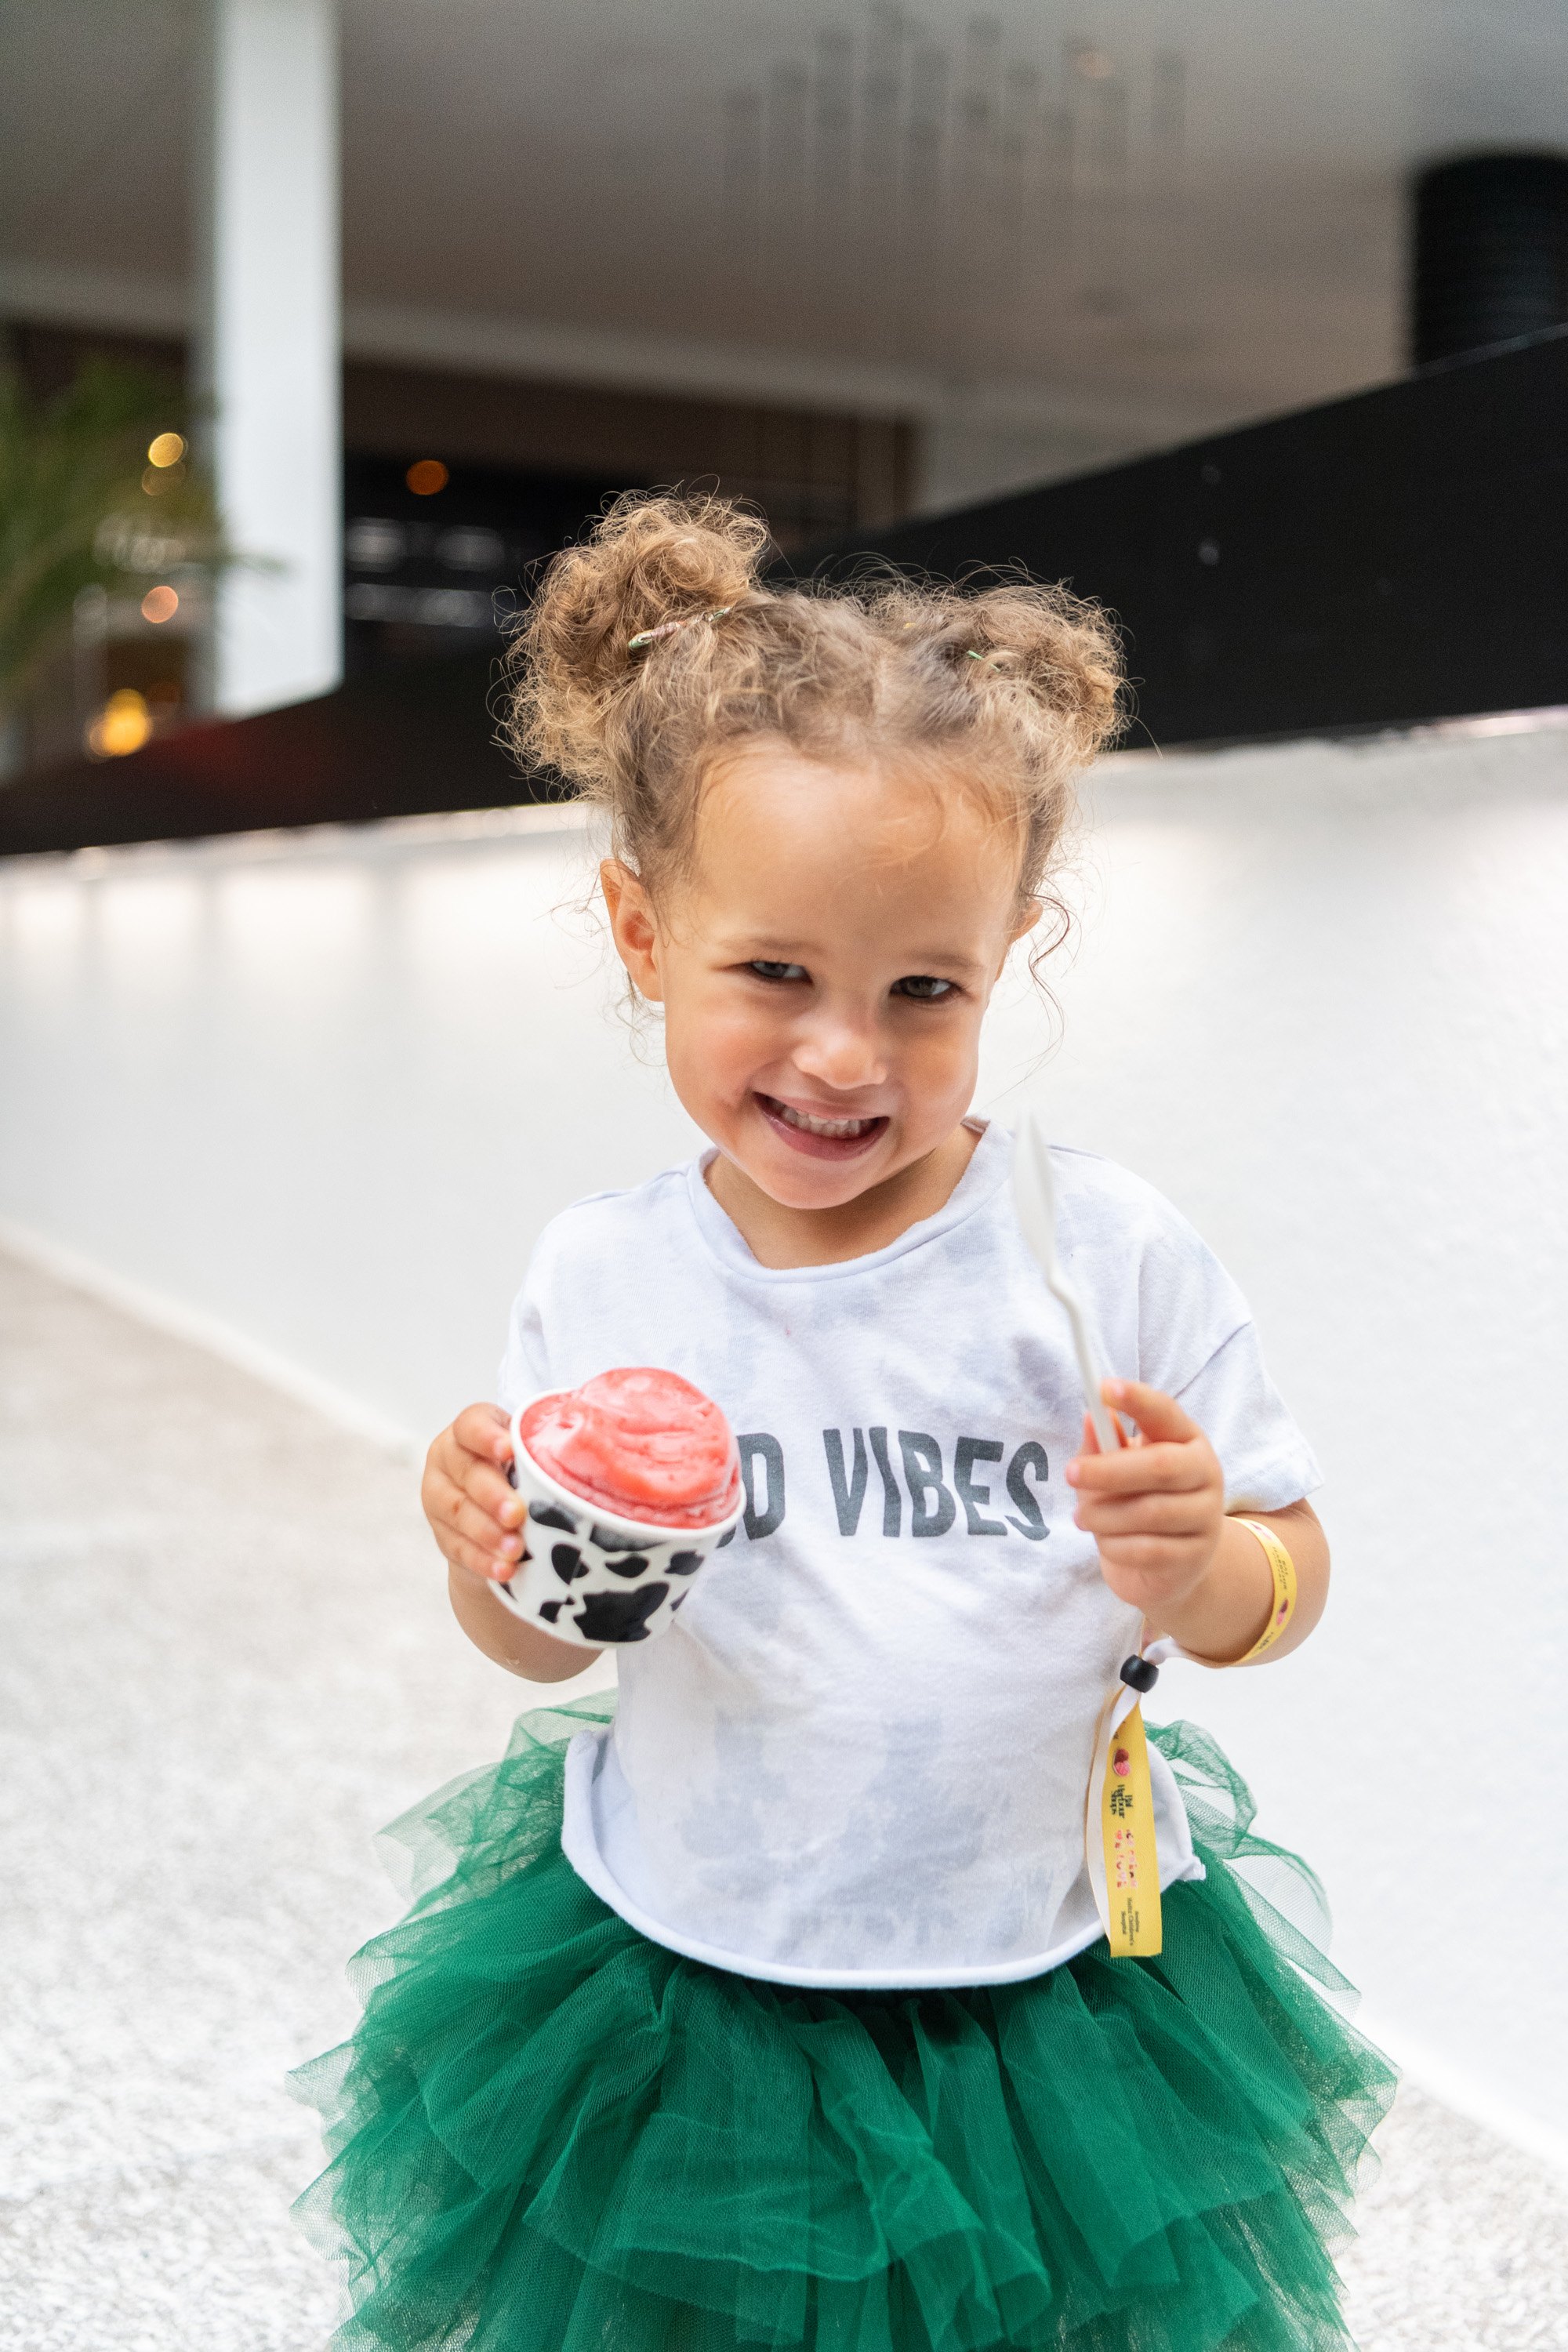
(160, 605)
(425, 476)
(165, 449)
(122, 725)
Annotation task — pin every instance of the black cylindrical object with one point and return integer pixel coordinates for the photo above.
(1492, 252)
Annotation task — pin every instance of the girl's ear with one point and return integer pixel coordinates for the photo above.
(632, 926)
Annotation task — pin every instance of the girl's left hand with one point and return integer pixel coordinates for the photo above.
(1156, 1507)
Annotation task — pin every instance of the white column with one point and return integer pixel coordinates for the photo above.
(267, 363)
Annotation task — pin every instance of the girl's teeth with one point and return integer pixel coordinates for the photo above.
(824, 1125)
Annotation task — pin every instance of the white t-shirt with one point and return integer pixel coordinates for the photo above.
(860, 1755)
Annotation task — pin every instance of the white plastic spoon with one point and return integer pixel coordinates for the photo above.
(1035, 1198)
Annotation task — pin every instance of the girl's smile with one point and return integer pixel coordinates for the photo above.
(818, 1133)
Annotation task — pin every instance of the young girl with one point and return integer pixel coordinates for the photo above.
(773, 2008)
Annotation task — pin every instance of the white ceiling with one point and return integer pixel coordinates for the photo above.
(1189, 210)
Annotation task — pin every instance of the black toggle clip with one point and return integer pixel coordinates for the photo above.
(1140, 1674)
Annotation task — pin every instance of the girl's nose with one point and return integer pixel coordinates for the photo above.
(844, 1054)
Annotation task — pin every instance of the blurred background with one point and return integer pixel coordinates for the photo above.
(320, 322)
(854, 262)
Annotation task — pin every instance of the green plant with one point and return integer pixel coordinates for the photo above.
(97, 490)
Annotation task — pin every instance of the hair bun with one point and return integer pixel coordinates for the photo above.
(1063, 650)
(650, 561)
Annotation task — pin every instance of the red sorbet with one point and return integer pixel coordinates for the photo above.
(643, 1444)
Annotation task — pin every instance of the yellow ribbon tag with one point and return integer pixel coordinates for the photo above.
(1118, 1825)
(1126, 1869)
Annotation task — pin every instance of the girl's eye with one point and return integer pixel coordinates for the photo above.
(925, 987)
(766, 970)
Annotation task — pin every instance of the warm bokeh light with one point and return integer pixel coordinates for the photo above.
(160, 603)
(122, 725)
(166, 449)
(425, 476)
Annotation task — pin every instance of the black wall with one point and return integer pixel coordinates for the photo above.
(1489, 252)
(1402, 555)
(1392, 558)
(418, 739)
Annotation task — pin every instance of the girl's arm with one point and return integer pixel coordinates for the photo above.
(477, 1519)
(521, 1648)
(1157, 1510)
(1223, 1617)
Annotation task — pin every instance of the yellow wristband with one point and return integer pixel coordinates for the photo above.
(1283, 1570)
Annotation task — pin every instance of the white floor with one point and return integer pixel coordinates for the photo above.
(224, 1661)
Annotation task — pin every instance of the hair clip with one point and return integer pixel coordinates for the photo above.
(646, 637)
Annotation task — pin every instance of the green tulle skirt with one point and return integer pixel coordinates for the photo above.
(550, 2134)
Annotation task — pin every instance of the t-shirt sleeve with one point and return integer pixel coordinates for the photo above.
(1198, 1343)
(571, 1262)
(1266, 1461)
(525, 1364)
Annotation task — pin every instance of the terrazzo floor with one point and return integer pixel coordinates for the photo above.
(224, 1661)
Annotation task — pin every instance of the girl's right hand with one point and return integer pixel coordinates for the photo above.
(475, 1515)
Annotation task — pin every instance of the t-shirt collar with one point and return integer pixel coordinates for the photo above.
(989, 1166)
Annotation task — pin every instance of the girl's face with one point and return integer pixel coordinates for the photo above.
(825, 967)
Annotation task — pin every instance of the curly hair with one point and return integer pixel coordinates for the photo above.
(654, 649)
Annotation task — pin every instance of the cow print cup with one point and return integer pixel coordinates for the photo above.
(592, 1577)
